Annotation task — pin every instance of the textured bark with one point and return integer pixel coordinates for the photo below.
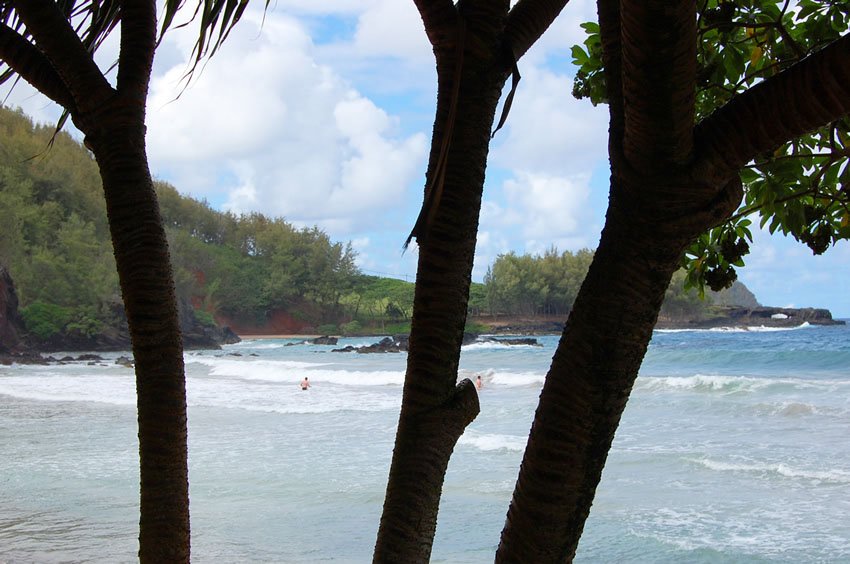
(144, 272)
(31, 65)
(69, 58)
(435, 409)
(591, 377)
(659, 50)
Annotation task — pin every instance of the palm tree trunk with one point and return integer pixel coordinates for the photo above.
(144, 271)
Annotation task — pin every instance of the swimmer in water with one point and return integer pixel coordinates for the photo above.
(305, 384)
(478, 382)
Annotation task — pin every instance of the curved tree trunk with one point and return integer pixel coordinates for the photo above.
(587, 387)
(144, 271)
(435, 409)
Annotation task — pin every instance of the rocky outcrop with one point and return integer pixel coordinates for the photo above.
(17, 346)
(323, 340)
(11, 324)
(197, 335)
(394, 344)
(470, 338)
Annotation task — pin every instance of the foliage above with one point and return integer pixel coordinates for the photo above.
(802, 189)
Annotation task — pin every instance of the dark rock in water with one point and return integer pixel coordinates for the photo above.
(67, 358)
(323, 340)
(125, 361)
(385, 345)
(24, 357)
(529, 341)
(470, 338)
(89, 356)
(397, 343)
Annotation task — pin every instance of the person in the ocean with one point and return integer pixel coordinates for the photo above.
(478, 382)
(305, 384)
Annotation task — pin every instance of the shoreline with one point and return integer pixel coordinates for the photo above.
(279, 336)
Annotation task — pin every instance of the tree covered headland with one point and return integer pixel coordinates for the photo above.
(56, 245)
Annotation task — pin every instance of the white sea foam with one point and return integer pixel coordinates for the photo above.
(732, 384)
(274, 398)
(355, 377)
(488, 441)
(248, 368)
(56, 386)
(265, 346)
(490, 345)
(512, 379)
(702, 382)
(834, 475)
(791, 409)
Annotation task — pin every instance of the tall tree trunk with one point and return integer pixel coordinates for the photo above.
(435, 409)
(141, 253)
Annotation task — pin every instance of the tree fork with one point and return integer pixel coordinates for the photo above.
(426, 443)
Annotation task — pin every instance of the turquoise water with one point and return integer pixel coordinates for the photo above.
(733, 448)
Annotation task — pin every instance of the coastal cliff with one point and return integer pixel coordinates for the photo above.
(17, 344)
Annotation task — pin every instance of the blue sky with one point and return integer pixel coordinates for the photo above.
(321, 112)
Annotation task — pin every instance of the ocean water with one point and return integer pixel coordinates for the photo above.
(734, 448)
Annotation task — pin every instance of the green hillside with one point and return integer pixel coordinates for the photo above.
(250, 271)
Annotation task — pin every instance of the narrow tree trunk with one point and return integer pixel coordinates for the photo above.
(144, 271)
(435, 409)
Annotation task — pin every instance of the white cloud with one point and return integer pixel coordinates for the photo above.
(548, 130)
(392, 28)
(547, 206)
(295, 138)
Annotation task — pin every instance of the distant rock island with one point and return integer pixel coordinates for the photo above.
(736, 316)
(719, 316)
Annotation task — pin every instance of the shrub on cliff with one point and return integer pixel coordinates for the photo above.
(45, 320)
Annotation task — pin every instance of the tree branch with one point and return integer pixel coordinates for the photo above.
(440, 19)
(612, 60)
(57, 39)
(25, 59)
(527, 21)
(138, 41)
(808, 95)
(659, 71)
